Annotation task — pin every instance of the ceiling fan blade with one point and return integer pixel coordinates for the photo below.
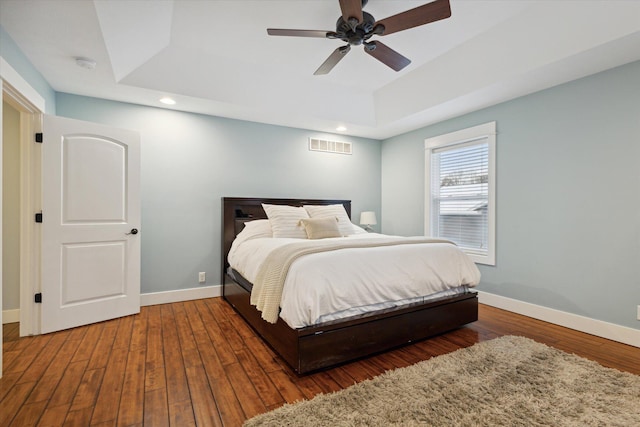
(351, 9)
(332, 60)
(297, 33)
(430, 12)
(386, 55)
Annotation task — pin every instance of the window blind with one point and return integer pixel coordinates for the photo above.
(460, 194)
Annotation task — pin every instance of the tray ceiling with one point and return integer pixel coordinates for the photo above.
(215, 57)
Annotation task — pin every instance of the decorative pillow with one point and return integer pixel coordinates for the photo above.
(332, 211)
(285, 220)
(321, 228)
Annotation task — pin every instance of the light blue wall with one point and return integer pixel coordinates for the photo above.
(14, 56)
(191, 161)
(568, 194)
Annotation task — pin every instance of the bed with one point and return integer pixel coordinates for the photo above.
(310, 347)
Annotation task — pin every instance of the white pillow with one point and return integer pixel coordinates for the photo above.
(332, 211)
(256, 229)
(359, 230)
(253, 230)
(285, 220)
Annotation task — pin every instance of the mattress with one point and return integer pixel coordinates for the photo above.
(336, 284)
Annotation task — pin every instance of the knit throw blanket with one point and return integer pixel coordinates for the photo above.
(267, 287)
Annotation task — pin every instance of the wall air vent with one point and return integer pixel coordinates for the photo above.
(329, 146)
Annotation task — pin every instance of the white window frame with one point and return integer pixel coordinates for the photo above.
(484, 131)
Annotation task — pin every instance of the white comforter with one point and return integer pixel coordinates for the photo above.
(331, 285)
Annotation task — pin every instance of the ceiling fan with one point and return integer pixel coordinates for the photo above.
(356, 27)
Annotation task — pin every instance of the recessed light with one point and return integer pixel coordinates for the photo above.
(341, 128)
(168, 101)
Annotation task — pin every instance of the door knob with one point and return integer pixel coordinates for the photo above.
(133, 231)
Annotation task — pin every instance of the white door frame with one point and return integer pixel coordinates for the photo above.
(30, 202)
(22, 96)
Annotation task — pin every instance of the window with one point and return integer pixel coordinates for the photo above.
(460, 190)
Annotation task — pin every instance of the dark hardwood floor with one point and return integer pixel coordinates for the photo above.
(198, 363)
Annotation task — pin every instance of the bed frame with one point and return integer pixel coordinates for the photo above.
(320, 346)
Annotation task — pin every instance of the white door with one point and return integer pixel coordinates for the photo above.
(91, 223)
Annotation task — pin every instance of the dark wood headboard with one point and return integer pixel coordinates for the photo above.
(238, 210)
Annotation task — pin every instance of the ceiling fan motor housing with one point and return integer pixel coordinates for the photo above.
(362, 32)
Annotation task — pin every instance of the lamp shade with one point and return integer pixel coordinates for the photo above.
(368, 218)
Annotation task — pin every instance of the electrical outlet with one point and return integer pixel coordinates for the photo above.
(639, 312)
(202, 277)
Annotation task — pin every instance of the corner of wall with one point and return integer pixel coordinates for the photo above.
(15, 63)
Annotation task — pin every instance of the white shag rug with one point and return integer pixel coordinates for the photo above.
(508, 381)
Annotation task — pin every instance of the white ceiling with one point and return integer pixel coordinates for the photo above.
(214, 57)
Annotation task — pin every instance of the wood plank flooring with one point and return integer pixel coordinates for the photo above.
(198, 364)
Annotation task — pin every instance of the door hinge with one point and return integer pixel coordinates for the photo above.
(39, 217)
(39, 137)
(38, 298)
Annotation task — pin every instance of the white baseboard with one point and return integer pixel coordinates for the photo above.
(10, 316)
(166, 297)
(595, 327)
